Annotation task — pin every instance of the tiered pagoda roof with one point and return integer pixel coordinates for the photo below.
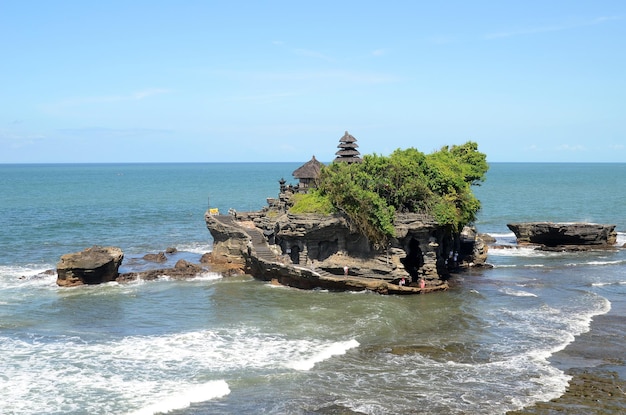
(348, 152)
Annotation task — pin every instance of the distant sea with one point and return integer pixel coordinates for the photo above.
(500, 339)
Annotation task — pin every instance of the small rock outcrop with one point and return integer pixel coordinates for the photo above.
(551, 235)
(93, 265)
(181, 270)
(158, 257)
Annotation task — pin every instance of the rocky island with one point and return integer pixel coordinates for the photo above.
(390, 225)
(572, 236)
(341, 250)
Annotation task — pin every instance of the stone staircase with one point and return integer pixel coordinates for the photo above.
(258, 240)
(323, 273)
(261, 247)
(264, 252)
(306, 275)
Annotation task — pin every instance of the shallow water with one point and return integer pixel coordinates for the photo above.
(498, 340)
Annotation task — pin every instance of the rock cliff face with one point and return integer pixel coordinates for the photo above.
(296, 249)
(552, 234)
(93, 265)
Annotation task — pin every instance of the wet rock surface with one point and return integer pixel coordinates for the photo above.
(94, 265)
(598, 368)
(591, 391)
(314, 251)
(552, 234)
(183, 269)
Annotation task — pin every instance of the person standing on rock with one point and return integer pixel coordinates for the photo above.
(345, 270)
(422, 284)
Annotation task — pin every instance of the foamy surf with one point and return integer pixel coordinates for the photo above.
(605, 284)
(517, 251)
(327, 352)
(517, 293)
(196, 248)
(26, 276)
(199, 393)
(207, 276)
(601, 263)
(504, 238)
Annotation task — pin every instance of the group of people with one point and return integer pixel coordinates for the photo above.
(452, 262)
(422, 282)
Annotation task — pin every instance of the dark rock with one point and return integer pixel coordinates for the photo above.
(160, 257)
(562, 234)
(171, 250)
(206, 258)
(186, 267)
(590, 391)
(488, 239)
(310, 251)
(473, 248)
(182, 270)
(221, 265)
(94, 265)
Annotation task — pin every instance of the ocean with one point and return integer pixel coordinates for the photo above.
(499, 340)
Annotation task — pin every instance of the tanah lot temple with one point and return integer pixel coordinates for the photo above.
(324, 251)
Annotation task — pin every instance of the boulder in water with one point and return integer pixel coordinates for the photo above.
(552, 234)
(94, 265)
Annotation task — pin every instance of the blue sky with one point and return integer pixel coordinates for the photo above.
(208, 81)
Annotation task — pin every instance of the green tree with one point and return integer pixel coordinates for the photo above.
(438, 184)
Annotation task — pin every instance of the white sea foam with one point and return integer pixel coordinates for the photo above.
(196, 248)
(517, 293)
(546, 330)
(517, 251)
(30, 276)
(558, 327)
(419, 374)
(207, 276)
(194, 394)
(600, 263)
(621, 238)
(595, 263)
(604, 284)
(504, 238)
(137, 371)
(325, 353)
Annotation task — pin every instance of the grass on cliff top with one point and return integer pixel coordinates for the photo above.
(311, 202)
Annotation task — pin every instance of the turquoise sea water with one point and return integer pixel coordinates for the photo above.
(215, 345)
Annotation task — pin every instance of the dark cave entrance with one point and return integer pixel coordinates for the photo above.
(414, 259)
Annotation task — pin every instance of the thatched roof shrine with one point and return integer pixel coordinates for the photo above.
(348, 152)
(308, 173)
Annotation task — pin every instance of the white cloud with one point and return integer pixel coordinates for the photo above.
(149, 93)
(263, 97)
(16, 137)
(307, 76)
(441, 39)
(557, 27)
(313, 54)
(569, 147)
(533, 147)
(101, 132)
(135, 96)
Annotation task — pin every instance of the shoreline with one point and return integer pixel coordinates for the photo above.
(598, 368)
